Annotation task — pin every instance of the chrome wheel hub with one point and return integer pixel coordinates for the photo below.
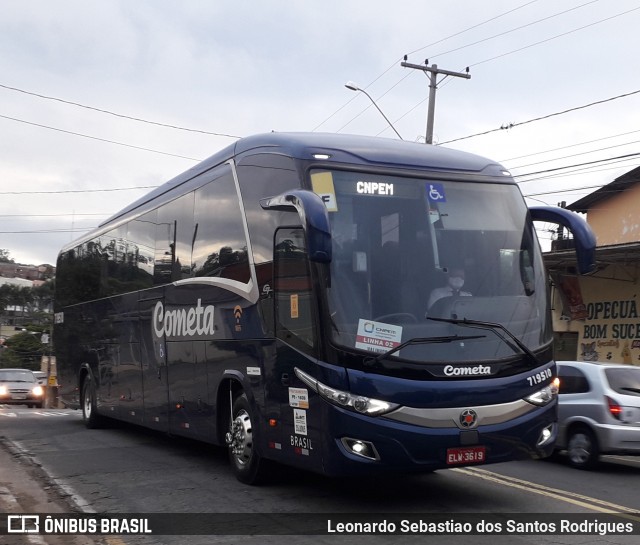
(239, 438)
(87, 403)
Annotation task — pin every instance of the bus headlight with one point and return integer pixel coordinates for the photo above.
(545, 396)
(3, 391)
(357, 403)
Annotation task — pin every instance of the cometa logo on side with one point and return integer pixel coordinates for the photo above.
(183, 322)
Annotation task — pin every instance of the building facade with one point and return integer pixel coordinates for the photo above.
(597, 317)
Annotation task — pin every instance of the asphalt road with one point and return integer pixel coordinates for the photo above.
(125, 469)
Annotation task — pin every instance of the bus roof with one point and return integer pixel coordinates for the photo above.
(367, 151)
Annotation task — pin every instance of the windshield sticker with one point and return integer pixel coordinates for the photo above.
(293, 300)
(299, 397)
(435, 193)
(322, 183)
(378, 336)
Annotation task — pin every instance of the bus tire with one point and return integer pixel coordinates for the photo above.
(90, 416)
(246, 463)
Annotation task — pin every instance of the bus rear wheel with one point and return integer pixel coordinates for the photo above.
(246, 463)
(89, 406)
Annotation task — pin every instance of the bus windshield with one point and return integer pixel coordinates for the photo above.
(413, 258)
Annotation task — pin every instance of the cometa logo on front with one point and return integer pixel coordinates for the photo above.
(183, 322)
(478, 370)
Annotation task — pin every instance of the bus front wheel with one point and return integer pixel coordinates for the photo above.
(246, 463)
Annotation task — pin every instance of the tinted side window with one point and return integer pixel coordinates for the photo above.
(266, 175)
(572, 381)
(141, 234)
(78, 275)
(174, 240)
(219, 242)
(128, 254)
(294, 295)
(111, 248)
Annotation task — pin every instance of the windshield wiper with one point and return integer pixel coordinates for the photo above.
(420, 340)
(493, 327)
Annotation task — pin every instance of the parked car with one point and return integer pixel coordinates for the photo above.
(20, 386)
(598, 411)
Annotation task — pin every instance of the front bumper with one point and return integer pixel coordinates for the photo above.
(408, 447)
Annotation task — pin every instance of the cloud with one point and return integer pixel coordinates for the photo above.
(241, 68)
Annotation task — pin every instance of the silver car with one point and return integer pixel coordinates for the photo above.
(598, 411)
(20, 386)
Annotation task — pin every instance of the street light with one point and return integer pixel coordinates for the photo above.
(354, 87)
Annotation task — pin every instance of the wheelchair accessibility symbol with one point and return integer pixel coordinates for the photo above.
(435, 193)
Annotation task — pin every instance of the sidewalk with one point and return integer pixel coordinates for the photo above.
(24, 489)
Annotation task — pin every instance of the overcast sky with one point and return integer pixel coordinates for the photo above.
(230, 68)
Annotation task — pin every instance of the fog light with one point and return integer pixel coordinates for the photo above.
(547, 435)
(364, 449)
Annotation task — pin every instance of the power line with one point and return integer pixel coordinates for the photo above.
(517, 50)
(395, 63)
(555, 37)
(596, 161)
(569, 146)
(575, 155)
(473, 27)
(563, 191)
(511, 125)
(516, 29)
(96, 138)
(584, 170)
(114, 113)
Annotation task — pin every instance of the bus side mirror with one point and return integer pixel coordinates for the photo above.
(314, 216)
(583, 237)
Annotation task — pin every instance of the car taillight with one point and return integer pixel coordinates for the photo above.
(614, 408)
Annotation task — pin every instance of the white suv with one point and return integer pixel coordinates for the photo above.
(598, 411)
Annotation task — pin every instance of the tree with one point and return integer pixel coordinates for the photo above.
(23, 350)
(4, 256)
(43, 295)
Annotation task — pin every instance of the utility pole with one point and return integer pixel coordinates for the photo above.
(433, 85)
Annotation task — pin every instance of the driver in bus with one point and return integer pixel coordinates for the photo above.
(455, 281)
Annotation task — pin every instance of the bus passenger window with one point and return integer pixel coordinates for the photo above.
(292, 281)
(218, 236)
(174, 235)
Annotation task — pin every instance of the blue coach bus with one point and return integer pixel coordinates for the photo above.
(274, 299)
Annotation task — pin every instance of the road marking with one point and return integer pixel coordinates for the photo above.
(43, 412)
(574, 498)
(51, 413)
(633, 461)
